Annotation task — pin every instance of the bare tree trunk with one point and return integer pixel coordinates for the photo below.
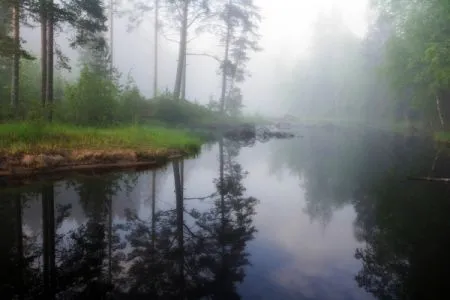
(50, 45)
(438, 106)
(155, 71)
(183, 81)
(181, 51)
(225, 62)
(43, 4)
(111, 35)
(16, 57)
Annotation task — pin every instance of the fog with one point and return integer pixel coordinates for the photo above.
(286, 31)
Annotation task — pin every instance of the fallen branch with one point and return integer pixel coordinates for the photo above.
(434, 179)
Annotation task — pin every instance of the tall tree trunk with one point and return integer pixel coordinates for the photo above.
(225, 62)
(50, 56)
(181, 51)
(43, 8)
(180, 225)
(155, 71)
(183, 81)
(16, 57)
(111, 35)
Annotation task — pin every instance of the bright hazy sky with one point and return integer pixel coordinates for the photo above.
(286, 30)
(287, 24)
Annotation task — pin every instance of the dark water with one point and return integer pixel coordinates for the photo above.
(327, 216)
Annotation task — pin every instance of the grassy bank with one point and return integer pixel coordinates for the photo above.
(35, 138)
(25, 146)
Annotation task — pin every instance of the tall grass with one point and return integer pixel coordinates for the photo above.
(38, 137)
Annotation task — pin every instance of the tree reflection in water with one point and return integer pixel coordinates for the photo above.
(404, 225)
(406, 230)
(202, 258)
(174, 254)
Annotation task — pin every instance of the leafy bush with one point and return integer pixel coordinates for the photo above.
(92, 100)
(97, 99)
(131, 104)
(181, 112)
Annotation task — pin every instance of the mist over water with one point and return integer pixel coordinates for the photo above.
(322, 177)
(298, 221)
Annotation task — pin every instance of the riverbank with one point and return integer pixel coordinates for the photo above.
(28, 148)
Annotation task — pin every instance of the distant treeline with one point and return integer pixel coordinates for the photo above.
(399, 71)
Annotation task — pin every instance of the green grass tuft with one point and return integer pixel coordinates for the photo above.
(35, 137)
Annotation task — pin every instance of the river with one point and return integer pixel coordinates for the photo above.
(328, 215)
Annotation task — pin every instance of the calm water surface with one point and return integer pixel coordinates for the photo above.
(326, 216)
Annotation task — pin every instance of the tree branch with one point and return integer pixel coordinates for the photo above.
(205, 54)
(190, 231)
(195, 18)
(202, 198)
(433, 179)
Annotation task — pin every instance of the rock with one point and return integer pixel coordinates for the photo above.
(55, 160)
(264, 134)
(41, 161)
(242, 132)
(46, 161)
(28, 160)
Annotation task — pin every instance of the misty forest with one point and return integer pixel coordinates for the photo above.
(224, 149)
(395, 72)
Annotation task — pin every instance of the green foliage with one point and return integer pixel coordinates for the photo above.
(97, 99)
(131, 104)
(417, 62)
(92, 100)
(168, 110)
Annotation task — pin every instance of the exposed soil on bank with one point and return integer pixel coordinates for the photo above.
(22, 165)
